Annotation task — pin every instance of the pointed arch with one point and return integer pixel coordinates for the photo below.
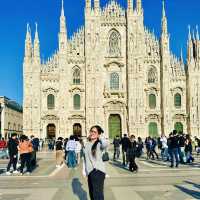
(114, 43)
(76, 75)
(152, 75)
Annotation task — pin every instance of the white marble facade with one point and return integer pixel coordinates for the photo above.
(113, 66)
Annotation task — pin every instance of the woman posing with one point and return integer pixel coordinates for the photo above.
(94, 165)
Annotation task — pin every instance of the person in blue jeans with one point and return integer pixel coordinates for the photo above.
(174, 146)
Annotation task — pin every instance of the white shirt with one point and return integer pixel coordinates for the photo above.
(71, 145)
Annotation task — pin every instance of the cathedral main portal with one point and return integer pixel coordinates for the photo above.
(51, 131)
(115, 125)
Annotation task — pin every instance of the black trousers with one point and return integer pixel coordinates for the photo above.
(12, 161)
(96, 185)
(25, 159)
(132, 164)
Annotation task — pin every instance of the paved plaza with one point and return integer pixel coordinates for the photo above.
(154, 181)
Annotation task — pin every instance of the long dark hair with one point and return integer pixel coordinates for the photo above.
(94, 146)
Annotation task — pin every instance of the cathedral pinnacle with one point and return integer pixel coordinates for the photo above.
(164, 20)
(130, 5)
(28, 43)
(63, 29)
(139, 6)
(96, 6)
(36, 45)
(189, 33)
(88, 4)
(36, 40)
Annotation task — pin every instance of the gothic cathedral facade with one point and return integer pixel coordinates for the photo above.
(112, 72)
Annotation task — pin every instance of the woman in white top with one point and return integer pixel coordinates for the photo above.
(71, 148)
(94, 165)
(78, 151)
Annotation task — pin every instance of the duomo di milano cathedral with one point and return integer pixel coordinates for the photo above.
(113, 72)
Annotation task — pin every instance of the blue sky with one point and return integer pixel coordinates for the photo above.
(14, 14)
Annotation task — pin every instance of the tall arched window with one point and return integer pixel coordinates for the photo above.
(115, 44)
(50, 101)
(76, 76)
(152, 75)
(178, 126)
(153, 129)
(114, 81)
(177, 100)
(77, 102)
(152, 101)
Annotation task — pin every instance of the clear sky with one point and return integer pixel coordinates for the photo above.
(14, 14)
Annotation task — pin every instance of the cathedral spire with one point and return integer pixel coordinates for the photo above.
(181, 57)
(164, 20)
(130, 5)
(189, 33)
(96, 6)
(88, 4)
(63, 29)
(139, 6)
(36, 47)
(28, 43)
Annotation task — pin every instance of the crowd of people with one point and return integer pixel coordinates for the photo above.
(177, 148)
(21, 151)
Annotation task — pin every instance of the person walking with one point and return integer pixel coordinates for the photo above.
(71, 155)
(13, 154)
(181, 149)
(131, 152)
(25, 148)
(125, 143)
(164, 148)
(140, 147)
(116, 143)
(188, 149)
(94, 165)
(78, 151)
(59, 152)
(174, 149)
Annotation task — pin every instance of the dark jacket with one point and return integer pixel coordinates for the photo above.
(174, 142)
(59, 145)
(116, 142)
(132, 149)
(12, 147)
(182, 141)
(125, 142)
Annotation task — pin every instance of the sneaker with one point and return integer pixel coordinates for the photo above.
(57, 166)
(8, 173)
(15, 172)
(28, 173)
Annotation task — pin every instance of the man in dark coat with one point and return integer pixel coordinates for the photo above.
(13, 153)
(125, 143)
(116, 143)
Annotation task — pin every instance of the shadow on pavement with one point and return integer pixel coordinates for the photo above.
(194, 184)
(78, 190)
(190, 192)
(119, 165)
